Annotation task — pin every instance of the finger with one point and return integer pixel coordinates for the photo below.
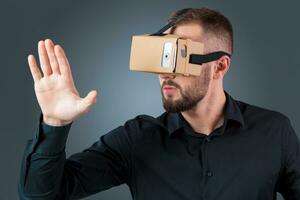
(51, 56)
(90, 98)
(64, 66)
(44, 60)
(36, 73)
(63, 62)
(88, 101)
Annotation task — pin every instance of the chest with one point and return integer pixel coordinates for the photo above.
(197, 166)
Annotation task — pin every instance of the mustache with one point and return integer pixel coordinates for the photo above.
(171, 83)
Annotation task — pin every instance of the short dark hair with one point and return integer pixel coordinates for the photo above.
(214, 24)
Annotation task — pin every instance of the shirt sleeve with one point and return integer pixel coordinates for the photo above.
(47, 174)
(289, 180)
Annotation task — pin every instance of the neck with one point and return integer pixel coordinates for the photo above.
(208, 114)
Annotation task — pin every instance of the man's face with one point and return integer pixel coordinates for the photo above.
(181, 93)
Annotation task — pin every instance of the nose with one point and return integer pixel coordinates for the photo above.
(167, 76)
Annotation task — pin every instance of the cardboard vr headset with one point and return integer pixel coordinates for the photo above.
(168, 53)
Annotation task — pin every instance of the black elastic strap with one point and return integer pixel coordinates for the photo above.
(171, 23)
(200, 59)
(162, 30)
(194, 58)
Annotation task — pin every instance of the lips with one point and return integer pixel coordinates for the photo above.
(167, 87)
(169, 90)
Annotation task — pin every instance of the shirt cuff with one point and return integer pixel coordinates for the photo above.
(51, 139)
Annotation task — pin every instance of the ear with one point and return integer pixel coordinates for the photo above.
(221, 66)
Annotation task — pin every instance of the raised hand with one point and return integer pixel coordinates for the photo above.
(55, 90)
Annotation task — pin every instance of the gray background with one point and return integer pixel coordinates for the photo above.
(97, 35)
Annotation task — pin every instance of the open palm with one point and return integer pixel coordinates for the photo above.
(55, 91)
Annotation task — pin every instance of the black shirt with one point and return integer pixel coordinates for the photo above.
(253, 155)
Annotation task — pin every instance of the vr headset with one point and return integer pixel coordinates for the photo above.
(167, 53)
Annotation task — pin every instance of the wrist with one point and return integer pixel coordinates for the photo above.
(55, 122)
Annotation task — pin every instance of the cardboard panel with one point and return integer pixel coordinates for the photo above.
(147, 54)
(147, 51)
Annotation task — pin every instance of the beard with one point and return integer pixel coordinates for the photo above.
(191, 95)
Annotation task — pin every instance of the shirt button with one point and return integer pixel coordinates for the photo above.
(208, 139)
(209, 174)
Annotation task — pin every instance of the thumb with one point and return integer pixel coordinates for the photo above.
(88, 101)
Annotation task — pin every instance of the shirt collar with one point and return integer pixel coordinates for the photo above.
(233, 114)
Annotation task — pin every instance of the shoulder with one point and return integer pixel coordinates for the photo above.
(141, 126)
(254, 114)
(135, 128)
(144, 121)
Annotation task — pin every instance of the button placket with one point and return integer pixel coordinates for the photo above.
(203, 155)
(208, 139)
(209, 173)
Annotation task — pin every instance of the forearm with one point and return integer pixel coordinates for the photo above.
(43, 163)
(43, 176)
(47, 174)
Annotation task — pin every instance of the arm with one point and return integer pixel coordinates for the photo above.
(289, 181)
(44, 165)
(47, 174)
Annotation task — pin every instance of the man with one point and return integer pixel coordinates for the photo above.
(205, 146)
